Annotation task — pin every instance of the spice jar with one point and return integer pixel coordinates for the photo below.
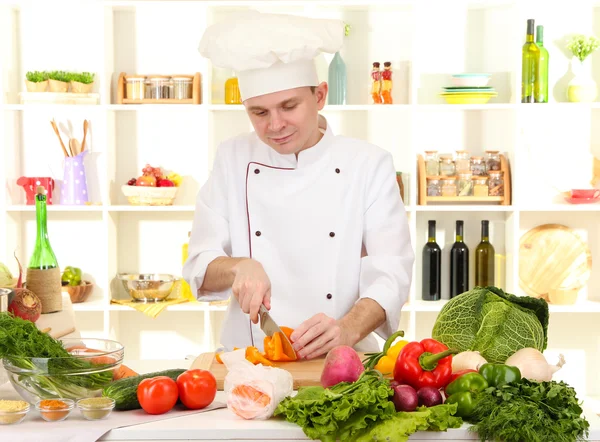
(159, 88)
(434, 186)
(462, 161)
(135, 87)
(449, 186)
(496, 183)
(182, 88)
(478, 166)
(54, 410)
(492, 160)
(447, 167)
(480, 186)
(432, 163)
(465, 184)
(96, 408)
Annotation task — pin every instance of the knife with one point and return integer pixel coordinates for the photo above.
(270, 327)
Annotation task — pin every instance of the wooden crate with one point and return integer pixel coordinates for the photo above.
(196, 91)
(424, 199)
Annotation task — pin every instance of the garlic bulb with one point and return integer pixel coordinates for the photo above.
(533, 365)
(467, 360)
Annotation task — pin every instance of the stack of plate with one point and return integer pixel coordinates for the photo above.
(469, 89)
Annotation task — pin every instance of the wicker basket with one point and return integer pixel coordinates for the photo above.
(149, 196)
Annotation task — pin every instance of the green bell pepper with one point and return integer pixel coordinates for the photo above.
(499, 374)
(72, 276)
(462, 391)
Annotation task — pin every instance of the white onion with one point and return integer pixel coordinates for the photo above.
(533, 365)
(467, 360)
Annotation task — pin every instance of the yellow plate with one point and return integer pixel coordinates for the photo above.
(473, 98)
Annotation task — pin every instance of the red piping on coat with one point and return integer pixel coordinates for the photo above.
(248, 218)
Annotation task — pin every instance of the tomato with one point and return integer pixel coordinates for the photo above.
(157, 395)
(197, 388)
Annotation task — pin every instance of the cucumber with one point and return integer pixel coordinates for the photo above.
(124, 391)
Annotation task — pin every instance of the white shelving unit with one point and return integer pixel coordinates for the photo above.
(426, 40)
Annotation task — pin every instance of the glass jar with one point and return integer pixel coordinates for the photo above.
(135, 87)
(449, 186)
(492, 160)
(480, 186)
(434, 186)
(159, 88)
(432, 163)
(182, 88)
(465, 184)
(478, 166)
(496, 183)
(447, 167)
(462, 161)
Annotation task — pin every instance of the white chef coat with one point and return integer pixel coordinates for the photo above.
(306, 221)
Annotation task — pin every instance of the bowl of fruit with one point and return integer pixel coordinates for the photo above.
(152, 188)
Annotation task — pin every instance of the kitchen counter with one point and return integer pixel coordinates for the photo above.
(221, 424)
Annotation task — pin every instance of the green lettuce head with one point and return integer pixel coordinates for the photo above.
(494, 323)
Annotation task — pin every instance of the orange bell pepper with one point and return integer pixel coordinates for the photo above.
(256, 357)
(274, 346)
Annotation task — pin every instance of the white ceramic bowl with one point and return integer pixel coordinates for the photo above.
(470, 80)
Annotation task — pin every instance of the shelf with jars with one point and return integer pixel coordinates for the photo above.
(462, 178)
(159, 89)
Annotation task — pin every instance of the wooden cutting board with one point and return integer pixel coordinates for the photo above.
(553, 257)
(305, 373)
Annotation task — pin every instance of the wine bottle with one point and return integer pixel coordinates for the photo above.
(432, 267)
(541, 78)
(529, 62)
(459, 263)
(43, 256)
(484, 258)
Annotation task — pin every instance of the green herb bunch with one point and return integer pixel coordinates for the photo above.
(36, 76)
(83, 77)
(45, 361)
(581, 46)
(529, 411)
(60, 76)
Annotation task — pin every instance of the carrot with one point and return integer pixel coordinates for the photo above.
(123, 372)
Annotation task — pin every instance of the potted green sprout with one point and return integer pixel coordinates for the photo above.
(59, 81)
(582, 88)
(36, 81)
(82, 82)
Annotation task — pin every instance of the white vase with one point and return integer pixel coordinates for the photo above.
(582, 88)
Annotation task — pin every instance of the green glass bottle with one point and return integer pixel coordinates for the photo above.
(529, 62)
(43, 256)
(485, 256)
(432, 267)
(541, 79)
(459, 263)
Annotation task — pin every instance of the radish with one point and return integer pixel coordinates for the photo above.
(24, 304)
(342, 364)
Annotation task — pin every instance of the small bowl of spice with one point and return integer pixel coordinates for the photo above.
(96, 408)
(12, 412)
(54, 410)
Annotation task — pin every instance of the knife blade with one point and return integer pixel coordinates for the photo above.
(270, 327)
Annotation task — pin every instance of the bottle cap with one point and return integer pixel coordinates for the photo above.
(530, 26)
(539, 36)
(41, 190)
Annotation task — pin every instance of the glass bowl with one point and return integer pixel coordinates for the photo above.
(84, 374)
(94, 412)
(13, 417)
(51, 414)
(148, 287)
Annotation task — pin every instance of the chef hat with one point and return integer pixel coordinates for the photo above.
(271, 52)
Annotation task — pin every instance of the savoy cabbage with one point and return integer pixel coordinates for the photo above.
(492, 322)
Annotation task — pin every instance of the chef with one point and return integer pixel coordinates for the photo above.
(293, 216)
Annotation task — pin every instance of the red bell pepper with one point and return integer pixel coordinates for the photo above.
(424, 364)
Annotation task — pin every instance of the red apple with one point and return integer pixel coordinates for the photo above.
(164, 183)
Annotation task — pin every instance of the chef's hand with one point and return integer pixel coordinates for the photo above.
(252, 287)
(317, 335)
